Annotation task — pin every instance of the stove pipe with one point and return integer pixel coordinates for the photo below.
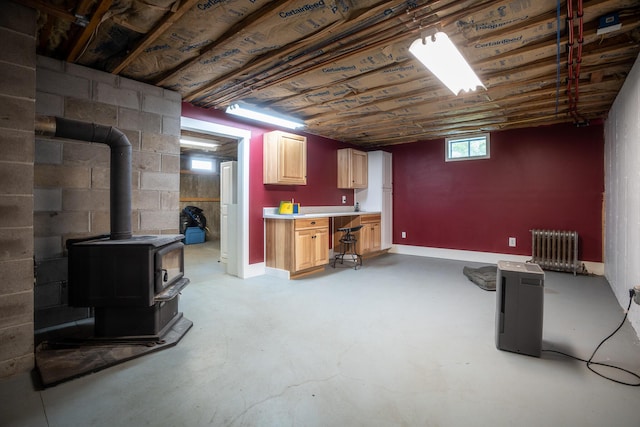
(120, 193)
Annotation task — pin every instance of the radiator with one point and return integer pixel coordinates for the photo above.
(555, 250)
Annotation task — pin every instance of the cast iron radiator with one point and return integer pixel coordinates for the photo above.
(556, 250)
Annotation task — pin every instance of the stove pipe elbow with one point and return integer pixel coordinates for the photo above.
(120, 170)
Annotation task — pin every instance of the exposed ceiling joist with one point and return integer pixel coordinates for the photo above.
(85, 35)
(344, 68)
(153, 35)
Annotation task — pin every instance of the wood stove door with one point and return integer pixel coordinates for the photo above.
(169, 265)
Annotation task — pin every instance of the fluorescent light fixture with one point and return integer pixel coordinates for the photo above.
(205, 144)
(444, 60)
(240, 111)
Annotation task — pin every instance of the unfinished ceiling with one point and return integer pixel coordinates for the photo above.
(343, 66)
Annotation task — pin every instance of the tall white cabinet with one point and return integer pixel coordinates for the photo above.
(378, 196)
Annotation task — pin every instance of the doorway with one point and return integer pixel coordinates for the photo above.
(239, 254)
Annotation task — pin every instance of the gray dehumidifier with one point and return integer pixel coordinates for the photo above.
(519, 307)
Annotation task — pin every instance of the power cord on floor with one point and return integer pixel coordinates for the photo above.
(591, 363)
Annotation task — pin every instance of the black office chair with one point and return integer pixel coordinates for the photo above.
(348, 245)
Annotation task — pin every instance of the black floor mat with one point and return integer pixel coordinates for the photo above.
(484, 277)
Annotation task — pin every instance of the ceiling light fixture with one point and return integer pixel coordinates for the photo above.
(240, 111)
(444, 60)
(199, 143)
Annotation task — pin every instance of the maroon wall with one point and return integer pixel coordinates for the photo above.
(546, 177)
(322, 176)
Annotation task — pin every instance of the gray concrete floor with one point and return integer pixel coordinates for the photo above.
(404, 341)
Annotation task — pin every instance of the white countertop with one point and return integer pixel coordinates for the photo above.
(315, 212)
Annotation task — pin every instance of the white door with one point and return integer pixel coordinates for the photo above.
(228, 216)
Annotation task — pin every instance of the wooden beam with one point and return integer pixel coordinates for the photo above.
(252, 19)
(259, 74)
(165, 23)
(85, 37)
(333, 51)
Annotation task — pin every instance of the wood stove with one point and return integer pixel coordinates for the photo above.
(132, 282)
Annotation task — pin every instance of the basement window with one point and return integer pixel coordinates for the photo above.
(467, 148)
(202, 165)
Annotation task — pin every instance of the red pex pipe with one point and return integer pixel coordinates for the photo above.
(570, 36)
(579, 55)
(573, 67)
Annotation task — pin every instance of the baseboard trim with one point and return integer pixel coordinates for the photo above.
(596, 268)
(277, 272)
(253, 270)
(456, 254)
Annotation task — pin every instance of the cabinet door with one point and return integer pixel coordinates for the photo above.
(364, 240)
(352, 168)
(387, 170)
(285, 158)
(292, 155)
(369, 238)
(359, 169)
(375, 237)
(305, 249)
(312, 248)
(321, 247)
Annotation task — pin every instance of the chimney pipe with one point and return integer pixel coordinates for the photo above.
(120, 193)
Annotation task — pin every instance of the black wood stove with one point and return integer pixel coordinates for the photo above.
(132, 282)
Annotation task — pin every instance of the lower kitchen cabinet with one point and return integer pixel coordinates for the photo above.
(369, 236)
(369, 239)
(299, 246)
(312, 248)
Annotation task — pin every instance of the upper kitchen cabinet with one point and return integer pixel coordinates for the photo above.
(352, 168)
(285, 158)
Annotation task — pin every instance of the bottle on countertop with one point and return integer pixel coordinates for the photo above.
(357, 208)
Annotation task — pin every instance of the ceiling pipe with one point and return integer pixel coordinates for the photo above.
(573, 66)
(120, 193)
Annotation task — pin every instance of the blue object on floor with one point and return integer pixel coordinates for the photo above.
(193, 235)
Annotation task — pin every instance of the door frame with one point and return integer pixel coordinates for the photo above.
(244, 140)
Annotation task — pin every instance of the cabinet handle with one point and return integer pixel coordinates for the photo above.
(313, 223)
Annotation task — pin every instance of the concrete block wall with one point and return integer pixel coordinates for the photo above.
(71, 178)
(17, 106)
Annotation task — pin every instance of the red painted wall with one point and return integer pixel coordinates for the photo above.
(322, 172)
(546, 177)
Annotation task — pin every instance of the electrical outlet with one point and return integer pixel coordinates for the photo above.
(512, 242)
(404, 234)
(636, 295)
(344, 199)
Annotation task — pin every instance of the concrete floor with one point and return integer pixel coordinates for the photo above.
(404, 341)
